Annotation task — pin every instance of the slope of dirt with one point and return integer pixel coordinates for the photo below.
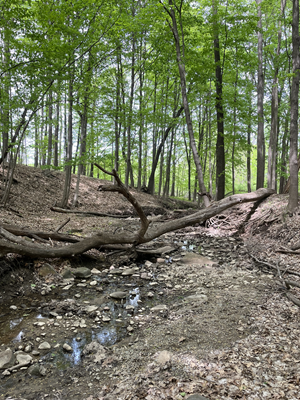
(226, 329)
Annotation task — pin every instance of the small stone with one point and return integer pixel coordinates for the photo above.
(6, 373)
(93, 283)
(77, 295)
(81, 272)
(91, 309)
(118, 295)
(28, 348)
(160, 260)
(196, 397)
(163, 357)
(158, 308)
(44, 346)
(128, 272)
(13, 308)
(81, 284)
(35, 353)
(7, 359)
(148, 263)
(95, 271)
(129, 328)
(67, 287)
(150, 294)
(105, 318)
(67, 348)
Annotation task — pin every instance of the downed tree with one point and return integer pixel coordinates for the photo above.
(148, 230)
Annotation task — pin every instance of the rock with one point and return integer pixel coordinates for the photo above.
(35, 353)
(67, 287)
(202, 298)
(196, 397)
(28, 348)
(105, 318)
(44, 346)
(118, 295)
(145, 275)
(129, 328)
(37, 370)
(158, 308)
(67, 348)
(197, 259)
(23, 360)
(91, 309)
(160, 260)
(93, 283)
(47, 269)
(7, 359)
(13, 308)
(127, 272)
(94, 351)
(81, 272)
(6, 372)
(163, 357)
(66, 273)
(95, 271)
(116, 271)
(148, 263)
(150, 294)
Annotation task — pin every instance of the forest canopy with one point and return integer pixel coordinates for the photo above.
(178, 97)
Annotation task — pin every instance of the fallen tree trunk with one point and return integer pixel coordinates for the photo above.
(147, 231)
(95, 213)
(17, 231)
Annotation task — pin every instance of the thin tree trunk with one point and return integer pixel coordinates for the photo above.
(272, 153)
(56, 133)
(182, 74)
(220, 147)
(260, 106)
(293, 193)
(68, 166)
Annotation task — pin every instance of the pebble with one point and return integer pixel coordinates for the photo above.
(13, 307)
(93, 283)
(44, 346)
(67, 348)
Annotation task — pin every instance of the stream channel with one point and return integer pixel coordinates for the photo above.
(77, 311)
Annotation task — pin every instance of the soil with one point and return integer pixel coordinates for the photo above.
(226, 329)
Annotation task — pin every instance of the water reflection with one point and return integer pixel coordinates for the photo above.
(14, 322)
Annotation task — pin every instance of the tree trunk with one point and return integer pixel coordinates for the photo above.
(260, 106)
(182, 74)
(272, 153)
(293, 193)
(68, 165)
(50, 130)
(56, 133)
(220, 147)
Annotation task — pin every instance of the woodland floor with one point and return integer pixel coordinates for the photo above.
(236, 338)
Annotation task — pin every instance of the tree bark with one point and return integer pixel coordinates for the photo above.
(293, 193)
(189, 123)
(220, 147)
(272, 153)
(260, 106)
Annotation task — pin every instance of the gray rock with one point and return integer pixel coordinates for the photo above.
(66, 273)
(81, 272)
(47, 269)
(95, 271)
(35, 353)
(158, 308)
(44, 346)
(163, 357)
(197, 297)
(118, 295)
(90, 309)
(37, 370)
(127, 272)
(67, 348)
(196, 397)
(13, 307)
(115, 271)
(7, 359)
(23, 360)
(94, 351)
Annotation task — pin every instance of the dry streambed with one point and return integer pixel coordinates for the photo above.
(117, 332)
